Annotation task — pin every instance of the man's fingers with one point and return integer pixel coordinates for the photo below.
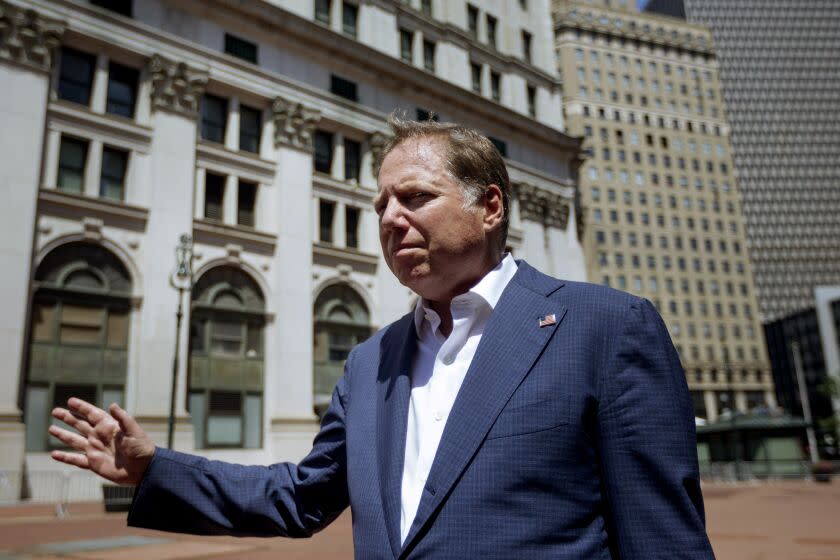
(128, 424)
(67, 437)
(93, 414)
(75, 459)
(72, 420)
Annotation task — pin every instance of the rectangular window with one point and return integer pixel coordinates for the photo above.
(122, 90)
(75, 76)
(224, 419)
(213, 118)
(247, 203)
(428, 55)
(352, 160)
(112, 178)
(72, 157)
(122, 7)
(426, 7)
(249, 129)
(214, 196)
(496, 86)
(407, 45)
(501, 145)
(532, 101)
(326, 210)
(491, 31)
(475, 70)
(526, 46)
(322, 11)
(349, 17)
(323, 151)
(351, 226)
(472, 20)
(343, 88)
(240, 48)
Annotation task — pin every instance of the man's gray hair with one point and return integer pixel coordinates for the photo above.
(471, 159)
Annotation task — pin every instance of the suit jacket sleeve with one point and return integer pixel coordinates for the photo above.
(648, 446)
(190, 494)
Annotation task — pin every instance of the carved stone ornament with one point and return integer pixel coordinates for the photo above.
(175, 87)
(294, 123)
(27, 37)
(542, 206)
(377, 141)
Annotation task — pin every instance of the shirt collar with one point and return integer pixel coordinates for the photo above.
(489, 289)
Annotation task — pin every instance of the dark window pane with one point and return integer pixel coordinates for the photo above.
(322, 11)
(526, 46)
(532, 101)
(75, 76)
(491, 31)
(351, 226)
(323, 151)
(475, 70)
(326, 210)
(247, 198)
(349, 14)
(112, 178)
(249, 129)
(500, 145)
(429, 55)
(495, 86)
(71, 165)
(343, 88)
(406, 45)
(426, 7)
(122, 90)
(214, 195)
(213, 118)
(122, 7)
(240, 48)
(424, 115)
(352, 160)
(472, 20)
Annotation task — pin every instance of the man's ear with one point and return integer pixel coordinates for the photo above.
(494, 207)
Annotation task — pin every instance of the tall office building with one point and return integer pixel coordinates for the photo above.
(780, 79)
(661, 201)
(251, 127)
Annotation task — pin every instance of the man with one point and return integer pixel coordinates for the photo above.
(511, 414)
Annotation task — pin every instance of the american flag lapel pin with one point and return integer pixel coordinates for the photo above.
(548, 320)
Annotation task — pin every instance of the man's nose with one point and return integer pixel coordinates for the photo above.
(392, 216)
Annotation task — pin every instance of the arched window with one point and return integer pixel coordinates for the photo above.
(78, 339)
(226, 359)
(341, 322)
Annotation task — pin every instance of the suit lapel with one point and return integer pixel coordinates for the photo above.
(396, 351)
(511, 343)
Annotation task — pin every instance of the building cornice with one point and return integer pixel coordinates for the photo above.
(28, 38)
(64, 115)
(60, 204)
(216, 157)
(219, 234)
(176, 86)
(344, 255)
(325, 183)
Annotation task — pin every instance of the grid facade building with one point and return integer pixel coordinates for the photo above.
(780, 79)
(663, 216)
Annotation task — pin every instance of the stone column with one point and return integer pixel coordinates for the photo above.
(288, 380)
(27, 48)
(175, 90)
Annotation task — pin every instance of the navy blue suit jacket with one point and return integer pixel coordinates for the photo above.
(569, 441)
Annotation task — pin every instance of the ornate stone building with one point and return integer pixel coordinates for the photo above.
(661, 199)
(222, 152)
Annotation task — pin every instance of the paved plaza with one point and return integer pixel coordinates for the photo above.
(776, 521)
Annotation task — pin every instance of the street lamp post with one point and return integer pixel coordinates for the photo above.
(181, 280)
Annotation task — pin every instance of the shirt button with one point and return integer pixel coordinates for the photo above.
(438, 416)
(447, 360)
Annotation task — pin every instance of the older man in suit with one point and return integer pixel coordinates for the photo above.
(511, 414)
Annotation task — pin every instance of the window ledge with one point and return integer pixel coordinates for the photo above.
(72, 118)
(219, 234)
(246, 165)
(361, 193)
(344, 255)
(61, 204)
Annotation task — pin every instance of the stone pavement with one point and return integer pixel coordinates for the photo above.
(775, 521)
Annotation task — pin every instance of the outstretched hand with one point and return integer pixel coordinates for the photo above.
(112, 444)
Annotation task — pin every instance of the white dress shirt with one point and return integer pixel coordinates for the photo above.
(437, 373)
